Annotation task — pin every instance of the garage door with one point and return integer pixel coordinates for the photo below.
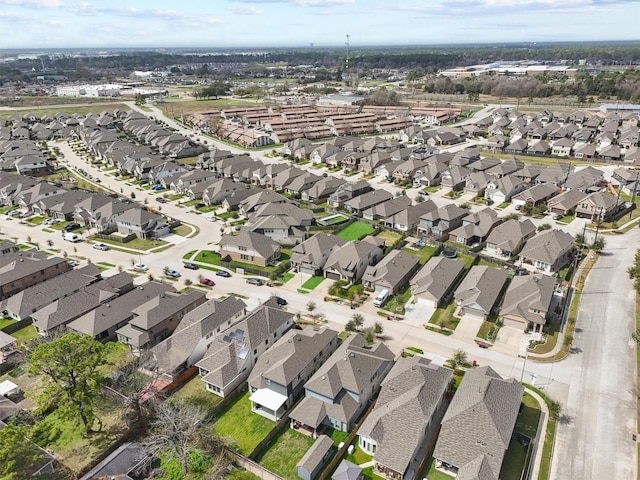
(471, 314)
(333, 276)
(307, 271)
(512, 323)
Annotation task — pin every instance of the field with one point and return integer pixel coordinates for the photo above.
(355, 231)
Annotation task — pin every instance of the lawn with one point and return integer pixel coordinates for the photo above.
(397, 302)
(66, 438)
(336, 435)
(136, 243)
(529, 416)
(358, 456)
(443, 317)
(389, 237)
(25, 334)
(425, 253)
(487, 330)
(194, 393)
(313, 282)
(240, 428)
(284, 454)
(355, 231)
(285, 277)
(6, 321)
(432, 474)
(514, 461)
(182, 230)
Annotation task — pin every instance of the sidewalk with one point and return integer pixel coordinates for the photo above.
(541, 434)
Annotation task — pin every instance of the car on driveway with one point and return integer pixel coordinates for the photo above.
(101, 246)
(518, 207)
(191, 266)
(223, 273)
(254, 281)
(73, 263)
(557, 216)
(140, 267)
(51, 221)
(200, 205)
(71, 226)
(207, 281)
(172, 273)
(157, 188)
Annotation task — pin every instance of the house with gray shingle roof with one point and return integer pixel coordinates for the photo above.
(554, 174)
(311, 255)
(502, 189)
(584, 179)
(103, 321)
(478, 293)
(535, 195)
(350, 261)
(250, 247)
(198, 328)
(548, 251)
(347, 471)
(20, 270)
(407, 414)
(439, 222)
(66, 309)
(406, 220)
(277, 379)
(508, 238)
(321, 190)
(475, 227)
(566, 202)
(392, 272)
(341, 389)
(312, 462)
(348, 191)
(598, 205)
(361, 203)
(28, 301)
(527, 302)
(229, 359)
(384, 210)
(477, 428)
(158, 318)
(435, 281)
(141, 223)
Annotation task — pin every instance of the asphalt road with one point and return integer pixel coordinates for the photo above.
(595, 439)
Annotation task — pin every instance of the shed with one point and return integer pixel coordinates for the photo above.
(7, 387)
(312, 462)
(347, 471)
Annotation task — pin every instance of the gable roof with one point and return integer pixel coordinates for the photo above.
(392, 269)
(547, 246)
(529, 297)
(436, 277)
(478, 425)
(481, 287)
(510, 234)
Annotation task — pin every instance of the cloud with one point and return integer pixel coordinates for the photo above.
(34, 3)
(304, 3)
(245, 10)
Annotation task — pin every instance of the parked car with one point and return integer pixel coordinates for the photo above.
(281, 301)
(518, 207)
(199, 205)
(11, 213)
(488, 202)
(557, 216)
(391, 179)
(140, 267)
(172, 273)
(73, 263)
(254, 281)
(210, 218)
(71, 226)
(191, 266)
(161, 200)
(101, 246)
(223, 273)
(207, 281)
(157, 188)
(51, 221)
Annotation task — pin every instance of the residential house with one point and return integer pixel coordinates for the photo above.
(529, 173)
(554, 174)
(478, 292)
(584, 179)
(265, 174)
(528, 301)
(347, 192)
(26, 302)
(587, 151)
(454, 178)
(430, 175)
(406, 220)
(310, 256)
(501, 190)
(341, 389)
(516, 147)
(284, 223)
(284, 178)
(175, 357)
(230, 358)
(350, 261)
(20, 270)
(323, 189)
(539, 148)
(250, 247)
(505, 168)
(508, 238)
(625, 176)
(477, 428)
(157, 319)
(566, 202)
(301, 184)
(484, 164)
(142, 223)
(548, 251)
(8, 346)
(477, 183)
(277, 380)
(598, 206)
(475, 227)
(215, 192)
(64, 310)
(438, 223)
(562, 147)
(536, 195)
(384, 210)
(434, 283)
(356, 206)
(407, 414)
(259, 198)
(103, 321)
(392, 273)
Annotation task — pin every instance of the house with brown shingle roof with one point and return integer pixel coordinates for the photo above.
(548, 251)
(477, 428)
(392, 272)
(527, 302)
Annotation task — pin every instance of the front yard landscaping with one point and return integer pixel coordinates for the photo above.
(312, 283)
(135, 244)
(443, 317)
(355, 231)
(241, 429)
(285, 452)
(396, 303)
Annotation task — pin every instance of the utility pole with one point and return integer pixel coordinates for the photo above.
(598, 221)
(347, 76)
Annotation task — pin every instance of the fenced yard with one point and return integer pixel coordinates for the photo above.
(285, 452)
(355, 231)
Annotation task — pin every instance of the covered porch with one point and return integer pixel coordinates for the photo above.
(269, 404)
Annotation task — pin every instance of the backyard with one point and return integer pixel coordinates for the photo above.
(239, 428)
(425, 253)
(285, 452)
(355, 231)
(194, 393)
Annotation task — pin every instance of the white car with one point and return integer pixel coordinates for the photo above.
(210, 218)
(140, 267)
(101, 246)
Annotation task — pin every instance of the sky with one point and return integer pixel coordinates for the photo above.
(303, 23)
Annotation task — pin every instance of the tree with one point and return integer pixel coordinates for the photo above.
(634, 271)
(311, 306)
(544, 226)
(378, 329)
(16, 452)
(598, 245)
(511, 216)
(50, 243)
(350, 326)
(358, 320)
(70, 366)
(555, 409)
(459, 358)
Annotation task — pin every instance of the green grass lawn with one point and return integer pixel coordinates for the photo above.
(285, 277)
(6, 321)
(67, 439)
(389, 237)
(503, 205)
(240, 428)
(313, 282)
(36, 220)
(487, 330)
(118, 355)
(336, 435)
(136, 243)
(25, 334)
(355, 231)
(444, 317)
(529, 416)
(284, 454)
(425, 253)
(397, 302)
(431, 473)
(358, 456)
(182, 230)
(335, 220)
(194, 393)
(514, 461)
